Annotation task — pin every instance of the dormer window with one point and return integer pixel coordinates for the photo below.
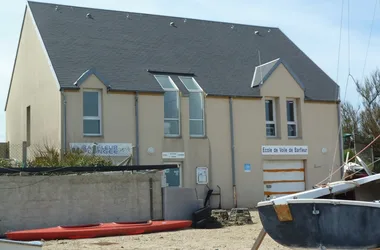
(196, 106)
(171, 106)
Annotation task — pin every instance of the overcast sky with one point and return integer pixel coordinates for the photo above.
(314, 26)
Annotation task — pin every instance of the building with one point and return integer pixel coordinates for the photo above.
(235, 106)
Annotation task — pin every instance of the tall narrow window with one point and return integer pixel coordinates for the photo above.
(171, 106)
(92, 125)
(28, 126)
(196, 107)
(292, 118)
(270, 118)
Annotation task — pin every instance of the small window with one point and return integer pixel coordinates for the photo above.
(91, 113)
(171, 106)
(292, 118)
(196, 107)
(270, 118)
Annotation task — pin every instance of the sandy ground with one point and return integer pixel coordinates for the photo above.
(234, 237)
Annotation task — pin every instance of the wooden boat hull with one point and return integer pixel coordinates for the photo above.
(333, 224)
(97, 230)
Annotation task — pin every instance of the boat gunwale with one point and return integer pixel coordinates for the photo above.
(335, 202)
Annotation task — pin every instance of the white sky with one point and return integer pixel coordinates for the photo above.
(313, 26)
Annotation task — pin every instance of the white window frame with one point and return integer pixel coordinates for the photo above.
(274, 117)
(174, 89)
(295, 117)
(199, 90)
(99, 117)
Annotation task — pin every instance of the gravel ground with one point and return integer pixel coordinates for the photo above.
(233, 237)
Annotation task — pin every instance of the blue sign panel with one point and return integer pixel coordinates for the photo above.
(247, 167)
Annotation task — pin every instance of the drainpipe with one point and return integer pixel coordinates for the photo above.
(137, 128)
(64, 121)
(233, 153)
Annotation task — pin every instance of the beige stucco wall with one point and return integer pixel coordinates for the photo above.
(33, 84)
(317, 122)
(117, 114)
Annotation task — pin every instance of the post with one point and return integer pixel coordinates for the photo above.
(24, 153)
(7, 151)
(151, 197)
(259, 239)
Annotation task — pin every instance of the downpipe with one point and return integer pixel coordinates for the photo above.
(233, 153)
(137, 128)
(64, 120)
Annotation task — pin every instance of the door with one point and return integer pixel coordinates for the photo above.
(283, 178)
(172, 176)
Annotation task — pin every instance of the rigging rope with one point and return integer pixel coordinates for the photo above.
(351, 158)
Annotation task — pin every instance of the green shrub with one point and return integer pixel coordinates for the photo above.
(50, 157)
(5, 163)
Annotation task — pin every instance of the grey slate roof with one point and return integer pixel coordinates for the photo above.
(123, 46)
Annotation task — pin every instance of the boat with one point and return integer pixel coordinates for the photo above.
(20, 245)
(97, 230)
(338, 215)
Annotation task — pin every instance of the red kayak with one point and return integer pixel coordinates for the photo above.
(97, 230)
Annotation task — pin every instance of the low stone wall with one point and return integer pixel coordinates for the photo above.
(29, 202)
(180, 203)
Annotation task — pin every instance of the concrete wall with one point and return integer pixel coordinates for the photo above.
(77, 199)
(180, 203)
(33, 84)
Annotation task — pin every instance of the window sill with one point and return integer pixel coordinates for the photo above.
(273, 138)
(172, 136)
(100, 135)
(198, 137)
(295, 138)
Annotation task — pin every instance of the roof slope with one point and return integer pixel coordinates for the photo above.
(122, 46)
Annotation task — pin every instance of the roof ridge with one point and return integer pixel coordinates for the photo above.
(151, 14)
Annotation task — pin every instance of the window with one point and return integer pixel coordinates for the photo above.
(292, 118)
(92, 113)
(28, 126)
(270, 117)
(196, 106)
(171, 106)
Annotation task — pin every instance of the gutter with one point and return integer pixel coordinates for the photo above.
(64, 121)
(137, 128)
(233, 153)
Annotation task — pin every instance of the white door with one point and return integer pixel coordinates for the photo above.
(283, 178)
